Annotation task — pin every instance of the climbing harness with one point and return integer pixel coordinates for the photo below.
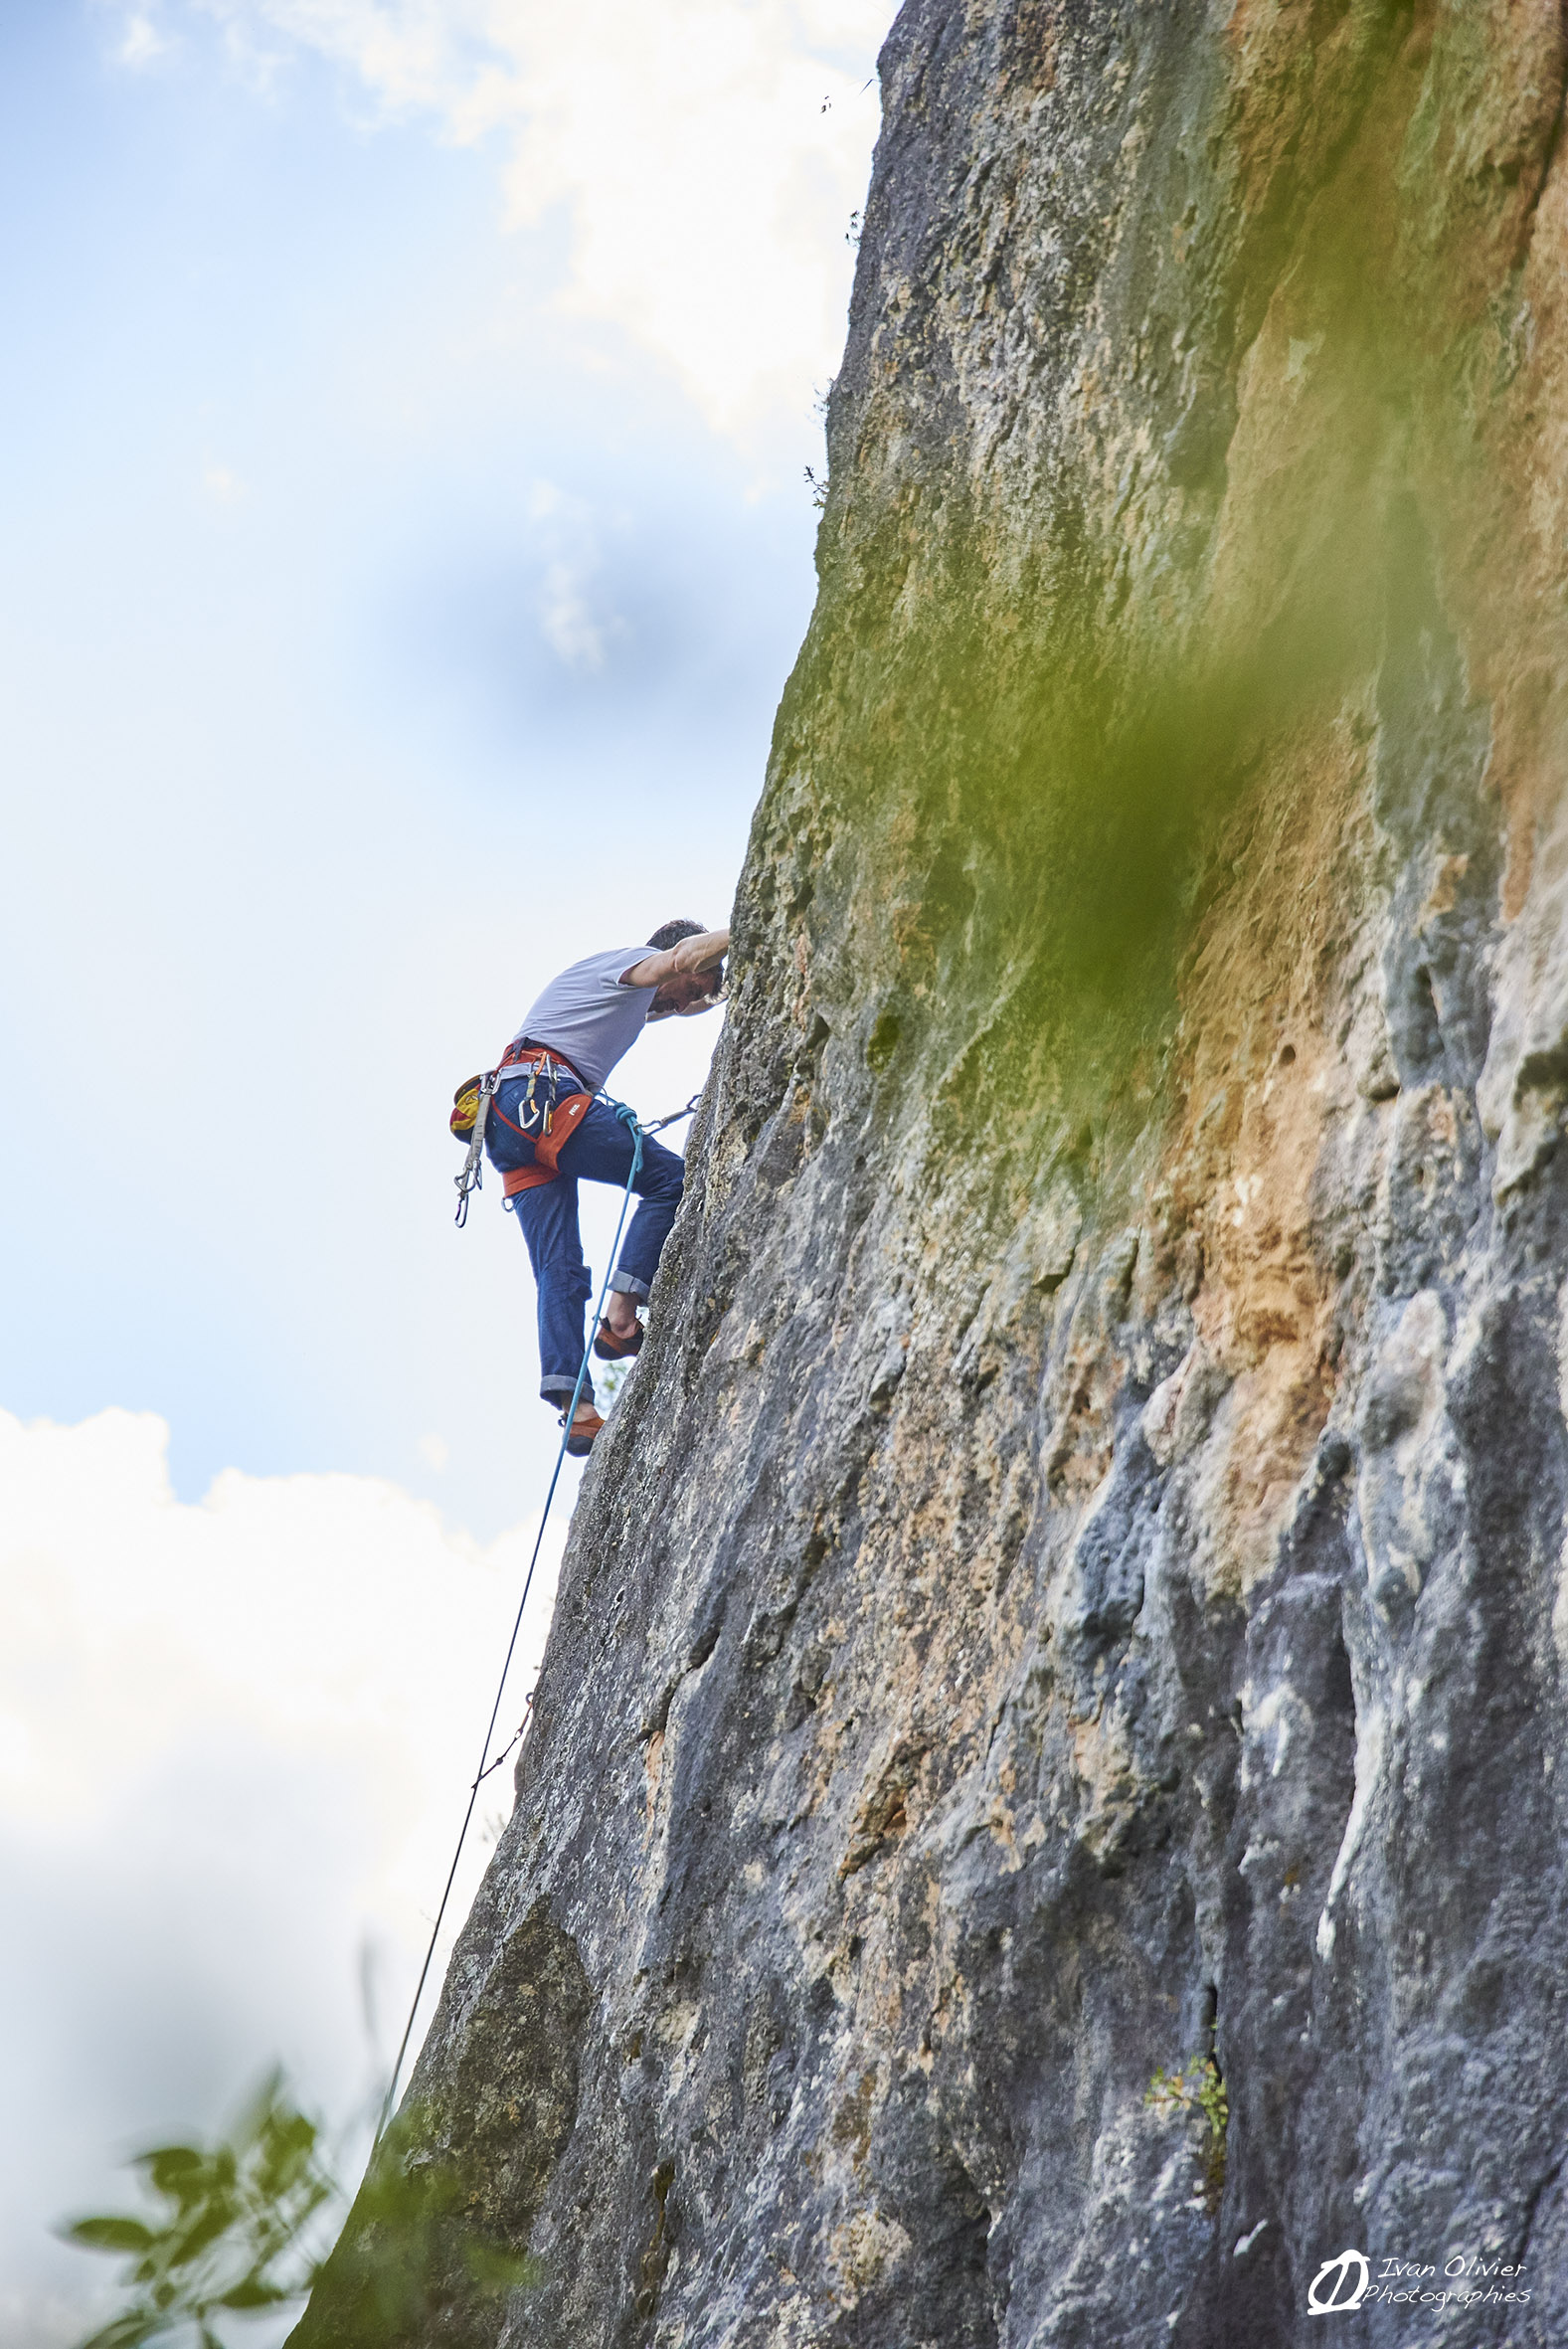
(548, 1123)
(540, 1119)
(483, 1089)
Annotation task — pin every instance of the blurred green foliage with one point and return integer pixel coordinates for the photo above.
(418, 2254)
(245, 2227)
(237, 2230)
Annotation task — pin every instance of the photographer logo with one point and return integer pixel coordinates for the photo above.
(1339, 2285)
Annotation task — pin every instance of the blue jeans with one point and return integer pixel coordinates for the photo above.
(598, 1152)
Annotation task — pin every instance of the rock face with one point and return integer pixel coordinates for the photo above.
(1074, 1589)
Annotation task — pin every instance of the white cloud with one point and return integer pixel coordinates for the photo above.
(304, 1606)
(236, 1740)
(141, 43)
(566, 623)
(567, 533)
(708, 155)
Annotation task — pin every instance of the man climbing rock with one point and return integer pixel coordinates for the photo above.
(546, 1134)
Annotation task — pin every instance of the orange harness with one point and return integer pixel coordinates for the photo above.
(555, 1125)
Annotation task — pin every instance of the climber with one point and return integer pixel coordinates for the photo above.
(546, 1134)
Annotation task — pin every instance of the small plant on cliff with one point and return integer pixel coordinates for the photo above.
(1195, 2090)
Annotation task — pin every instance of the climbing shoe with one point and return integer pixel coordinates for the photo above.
(610, 1348)
(579, 1442)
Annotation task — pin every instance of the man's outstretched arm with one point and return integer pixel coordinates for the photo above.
(701, 953)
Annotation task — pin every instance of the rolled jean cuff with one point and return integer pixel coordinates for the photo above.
(556, 1390)
(626, 1284)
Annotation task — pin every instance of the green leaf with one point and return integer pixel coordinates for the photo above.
(110, 2235)
(254, 2293)
(286, 2145)
(169, 2165)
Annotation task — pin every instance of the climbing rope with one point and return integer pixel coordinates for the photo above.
(637, 1132)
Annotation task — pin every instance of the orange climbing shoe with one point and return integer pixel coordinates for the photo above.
(584, 1429)
(610, 1348)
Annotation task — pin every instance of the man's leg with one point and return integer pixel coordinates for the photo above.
(660, 1179)
(601, 1152)
(548, 1215)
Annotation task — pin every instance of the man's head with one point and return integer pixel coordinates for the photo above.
(670, 934)
(690, 990)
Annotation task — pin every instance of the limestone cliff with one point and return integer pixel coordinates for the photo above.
(1072, 1589)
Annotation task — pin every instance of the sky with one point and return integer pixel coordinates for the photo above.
(402, 442)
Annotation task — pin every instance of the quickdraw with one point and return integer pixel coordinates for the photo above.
(674, 1118)
(470, 1115)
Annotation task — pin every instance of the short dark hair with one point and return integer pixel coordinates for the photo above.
(670, 934)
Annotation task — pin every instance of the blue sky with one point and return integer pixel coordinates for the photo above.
(376, 636)
(406, 544)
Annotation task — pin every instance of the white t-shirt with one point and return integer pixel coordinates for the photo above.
(589, 1017)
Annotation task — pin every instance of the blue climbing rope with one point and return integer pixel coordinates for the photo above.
(628, 1119)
